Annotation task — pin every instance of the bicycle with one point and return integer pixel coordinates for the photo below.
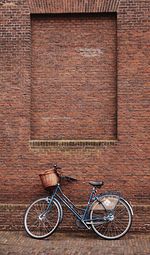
(108, 214)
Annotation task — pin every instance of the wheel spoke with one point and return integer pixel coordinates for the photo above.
(41, 227)
(118, 221)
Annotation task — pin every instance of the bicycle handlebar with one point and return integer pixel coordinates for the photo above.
(69, 178)
(56, 167)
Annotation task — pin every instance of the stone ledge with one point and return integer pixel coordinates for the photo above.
(45, 144)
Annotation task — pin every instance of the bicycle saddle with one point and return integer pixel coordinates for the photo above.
(96, 184)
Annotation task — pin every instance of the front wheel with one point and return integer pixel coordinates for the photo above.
(41, 220)
(111, 224)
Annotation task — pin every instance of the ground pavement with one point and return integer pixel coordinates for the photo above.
(73, 243)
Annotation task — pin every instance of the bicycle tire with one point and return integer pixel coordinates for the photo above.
(102, 228)
(42, 227)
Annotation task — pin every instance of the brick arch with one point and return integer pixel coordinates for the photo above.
(73, 6)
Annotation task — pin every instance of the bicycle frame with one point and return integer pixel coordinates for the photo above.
(72, 208)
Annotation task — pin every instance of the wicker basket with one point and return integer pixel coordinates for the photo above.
(49, 178)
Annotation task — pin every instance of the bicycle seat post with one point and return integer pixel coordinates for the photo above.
(94, 190)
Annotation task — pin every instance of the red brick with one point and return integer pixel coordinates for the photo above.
(124, 164)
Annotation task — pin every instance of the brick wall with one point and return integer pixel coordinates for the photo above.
(124, 163)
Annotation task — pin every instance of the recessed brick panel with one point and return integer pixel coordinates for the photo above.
(73, 77)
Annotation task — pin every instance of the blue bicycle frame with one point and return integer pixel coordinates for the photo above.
(72, 208)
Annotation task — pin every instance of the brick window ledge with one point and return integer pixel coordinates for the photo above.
(43, 144)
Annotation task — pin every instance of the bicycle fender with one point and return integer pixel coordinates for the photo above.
(128, 205)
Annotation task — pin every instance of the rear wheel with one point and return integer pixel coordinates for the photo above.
(41, 221)
(111, 224)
